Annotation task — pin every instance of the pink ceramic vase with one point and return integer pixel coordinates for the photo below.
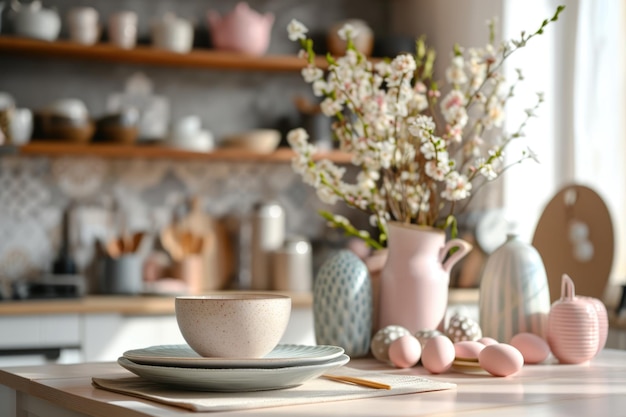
(573, 331)
(242, 30)
(414, 281)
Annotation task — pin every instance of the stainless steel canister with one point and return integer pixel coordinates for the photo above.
(267, 235)
(293, 266)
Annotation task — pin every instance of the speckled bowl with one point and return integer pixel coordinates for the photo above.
(233, 325)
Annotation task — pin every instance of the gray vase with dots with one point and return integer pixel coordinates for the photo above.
(342, 304)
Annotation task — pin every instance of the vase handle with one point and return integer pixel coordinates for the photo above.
(463, 249)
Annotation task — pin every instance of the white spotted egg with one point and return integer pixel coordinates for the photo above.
(461, 328)
(383, 339)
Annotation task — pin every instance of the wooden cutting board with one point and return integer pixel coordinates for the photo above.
(576, 203)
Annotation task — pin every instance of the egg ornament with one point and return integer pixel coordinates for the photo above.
(462, 328)
(533, 348)
(438, 354)
(405, 351)
(424, 335)
(501, 359)
(383, 339)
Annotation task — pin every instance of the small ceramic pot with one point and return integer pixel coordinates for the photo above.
(123, 29)
(172, 34)
(83, 26)
(573, 331)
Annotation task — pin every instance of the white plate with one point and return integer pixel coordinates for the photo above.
(282, 355)
(232, 380)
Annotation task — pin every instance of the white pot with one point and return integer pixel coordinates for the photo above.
(34, 21)
(173, 34)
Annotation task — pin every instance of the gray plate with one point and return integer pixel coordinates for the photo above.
(282, 355)
(232, 380)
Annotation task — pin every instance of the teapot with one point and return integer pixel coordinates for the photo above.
(34, 21)
(242, 30)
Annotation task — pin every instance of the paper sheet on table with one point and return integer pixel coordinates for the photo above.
(313, 391)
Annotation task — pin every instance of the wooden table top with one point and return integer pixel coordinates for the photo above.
(596, 388)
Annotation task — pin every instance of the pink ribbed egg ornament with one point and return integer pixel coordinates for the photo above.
(603, 320)
(573, 333)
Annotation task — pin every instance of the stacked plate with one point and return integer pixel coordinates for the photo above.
(284, 367)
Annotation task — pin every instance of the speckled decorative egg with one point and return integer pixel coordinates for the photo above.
(424, 335)
(383, 339)
(461, 328)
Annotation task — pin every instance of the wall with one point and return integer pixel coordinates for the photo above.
(34, 191)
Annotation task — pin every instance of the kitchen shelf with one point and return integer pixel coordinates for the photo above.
(145, 54)
(49, 148)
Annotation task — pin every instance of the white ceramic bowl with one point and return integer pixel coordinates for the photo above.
(256, 140)
(233, 325)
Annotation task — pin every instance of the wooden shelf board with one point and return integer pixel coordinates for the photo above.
(145, 54)
(56, 149)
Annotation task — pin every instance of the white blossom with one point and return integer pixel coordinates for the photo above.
(296, 30)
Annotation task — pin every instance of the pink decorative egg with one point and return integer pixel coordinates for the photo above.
(501, 359)
(405, 351)
(488, 341)
(438, 354)
(533, 348)
(468, 349)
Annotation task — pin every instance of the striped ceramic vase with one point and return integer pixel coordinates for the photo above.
(514, 292)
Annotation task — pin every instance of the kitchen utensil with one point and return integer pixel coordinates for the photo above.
(281, 356)
(122, 274)
(233, 325)
(575, 204)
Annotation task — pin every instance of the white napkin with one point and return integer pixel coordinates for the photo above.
(314, 391)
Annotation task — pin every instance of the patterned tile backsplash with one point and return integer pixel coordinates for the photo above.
(108, 195)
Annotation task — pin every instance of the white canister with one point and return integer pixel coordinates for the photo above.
(293, 266)
(172, 34)
(267, 235)
(21, 126)
(83, 25)
(123, 29)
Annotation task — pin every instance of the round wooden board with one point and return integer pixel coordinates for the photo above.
(551, 239)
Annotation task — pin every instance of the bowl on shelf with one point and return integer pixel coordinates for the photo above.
(120, 128)
(255, 140)
(49, 126)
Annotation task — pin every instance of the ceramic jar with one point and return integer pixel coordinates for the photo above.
(342, 304)
(83, 25)
(267, 235)
(573, 326)
(414, 281)
(514, 293)
(122, 29)
(242, 30)
(172, 34)
(34, 21)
